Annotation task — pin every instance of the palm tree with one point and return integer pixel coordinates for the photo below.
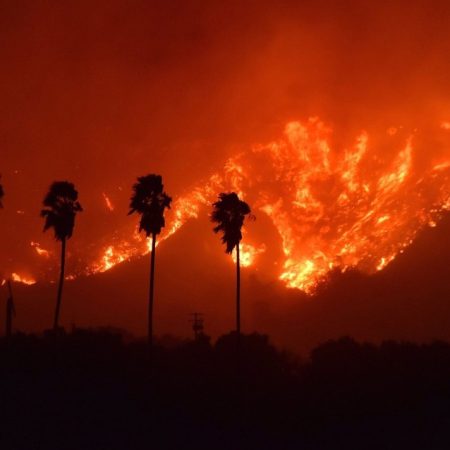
(61, 206)
(149, 200)
(229, 213)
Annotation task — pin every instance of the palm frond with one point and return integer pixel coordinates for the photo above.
(229, 213)
(150, 201)
(61, 206)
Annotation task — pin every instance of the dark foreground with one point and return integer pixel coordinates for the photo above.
(90, 390)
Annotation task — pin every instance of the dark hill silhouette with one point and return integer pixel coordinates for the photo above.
(407, 300)
(89, 389)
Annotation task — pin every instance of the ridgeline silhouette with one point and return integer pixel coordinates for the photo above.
(93, 389)
(61, 206)
(97, 388)
(150, 201)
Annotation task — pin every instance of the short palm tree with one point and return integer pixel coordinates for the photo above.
(150, 201)
(229, 213)
(60, 208)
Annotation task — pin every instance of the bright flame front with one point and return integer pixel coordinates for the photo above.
(332, 208)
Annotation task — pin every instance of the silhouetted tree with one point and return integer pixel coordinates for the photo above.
(2, 194)
(229, 213)
(149, 200)
(61, 206)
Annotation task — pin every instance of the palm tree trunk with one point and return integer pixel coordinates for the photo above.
(61, 282)
(150, 299)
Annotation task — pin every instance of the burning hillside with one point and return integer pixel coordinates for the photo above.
(334, 208)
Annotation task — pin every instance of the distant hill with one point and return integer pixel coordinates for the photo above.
(410, 299)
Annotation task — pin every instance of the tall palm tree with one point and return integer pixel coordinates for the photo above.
(229, 213)
(149, 200)
(61, 206)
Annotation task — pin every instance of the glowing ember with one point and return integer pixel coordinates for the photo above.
(391, 131)
(39, 250)
(22, 279)
(442, 166)
(108, 202)
(384, 261)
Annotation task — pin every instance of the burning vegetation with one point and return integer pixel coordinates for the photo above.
(334, 208)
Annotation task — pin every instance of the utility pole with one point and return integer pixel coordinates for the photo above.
(197, 324)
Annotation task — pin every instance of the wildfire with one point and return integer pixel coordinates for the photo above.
(333, 208)
(341, 212)
(112, 256)
(183, 209)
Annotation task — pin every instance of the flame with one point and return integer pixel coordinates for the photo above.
(183, 209)
(341, 214)
(112, 256)
(442, 166)
(39, 250)
(247, 254)
(384, 261)
(108, 202)
(22, 279)
(333, 208)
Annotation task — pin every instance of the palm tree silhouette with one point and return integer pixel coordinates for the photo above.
(149, 200)
(229, 213)
(61, 206)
